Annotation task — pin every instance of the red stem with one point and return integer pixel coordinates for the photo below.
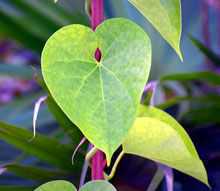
(97, 13)
(97, 16)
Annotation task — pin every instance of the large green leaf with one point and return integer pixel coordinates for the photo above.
(98, 186)
(101, 98)
(165, 16)
(157, 136)
(58, 185)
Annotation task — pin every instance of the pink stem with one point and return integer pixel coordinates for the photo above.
(97, 13)
(97, 16)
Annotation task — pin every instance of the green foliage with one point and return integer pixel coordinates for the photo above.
(47, 149)
(33, 23)
(157, 136)
(212, 56)
(59, 185)
(208, 77)
(206, 100)
(203, 115)
(34, 173)
(100, 97)
(98, 186)
(165, 16)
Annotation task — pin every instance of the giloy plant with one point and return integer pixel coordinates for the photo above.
(97, 78)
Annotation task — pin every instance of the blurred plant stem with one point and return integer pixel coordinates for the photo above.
(205, 30)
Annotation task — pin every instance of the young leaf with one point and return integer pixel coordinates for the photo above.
(165, 16)
(57, 185)
(157, 136)
(101, 98)
(99, 185)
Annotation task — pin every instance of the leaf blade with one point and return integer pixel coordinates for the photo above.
(165, 142)
(57, 185)
(165, 16)
(91, 86)
(98, 185)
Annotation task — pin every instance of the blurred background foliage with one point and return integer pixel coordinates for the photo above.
(188, 90)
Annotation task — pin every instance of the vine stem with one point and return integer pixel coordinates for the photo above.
(97, 12)
(97, 16)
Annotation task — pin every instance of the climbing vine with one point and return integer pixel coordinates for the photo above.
(97, 77)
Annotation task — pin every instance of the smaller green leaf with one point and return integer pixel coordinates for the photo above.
(159, 137)
(165, 16)
(58, 185)
(209, 77)
(99, 185)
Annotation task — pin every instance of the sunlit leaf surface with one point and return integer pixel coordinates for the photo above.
(157, 136)
(165, 16)
(101, 98)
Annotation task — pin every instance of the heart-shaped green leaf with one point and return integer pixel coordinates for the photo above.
(58, 185)
(165, 16)
(99, 185)
(159, 137)
(101, 98)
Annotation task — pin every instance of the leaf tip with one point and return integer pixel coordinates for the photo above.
(179, 53)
